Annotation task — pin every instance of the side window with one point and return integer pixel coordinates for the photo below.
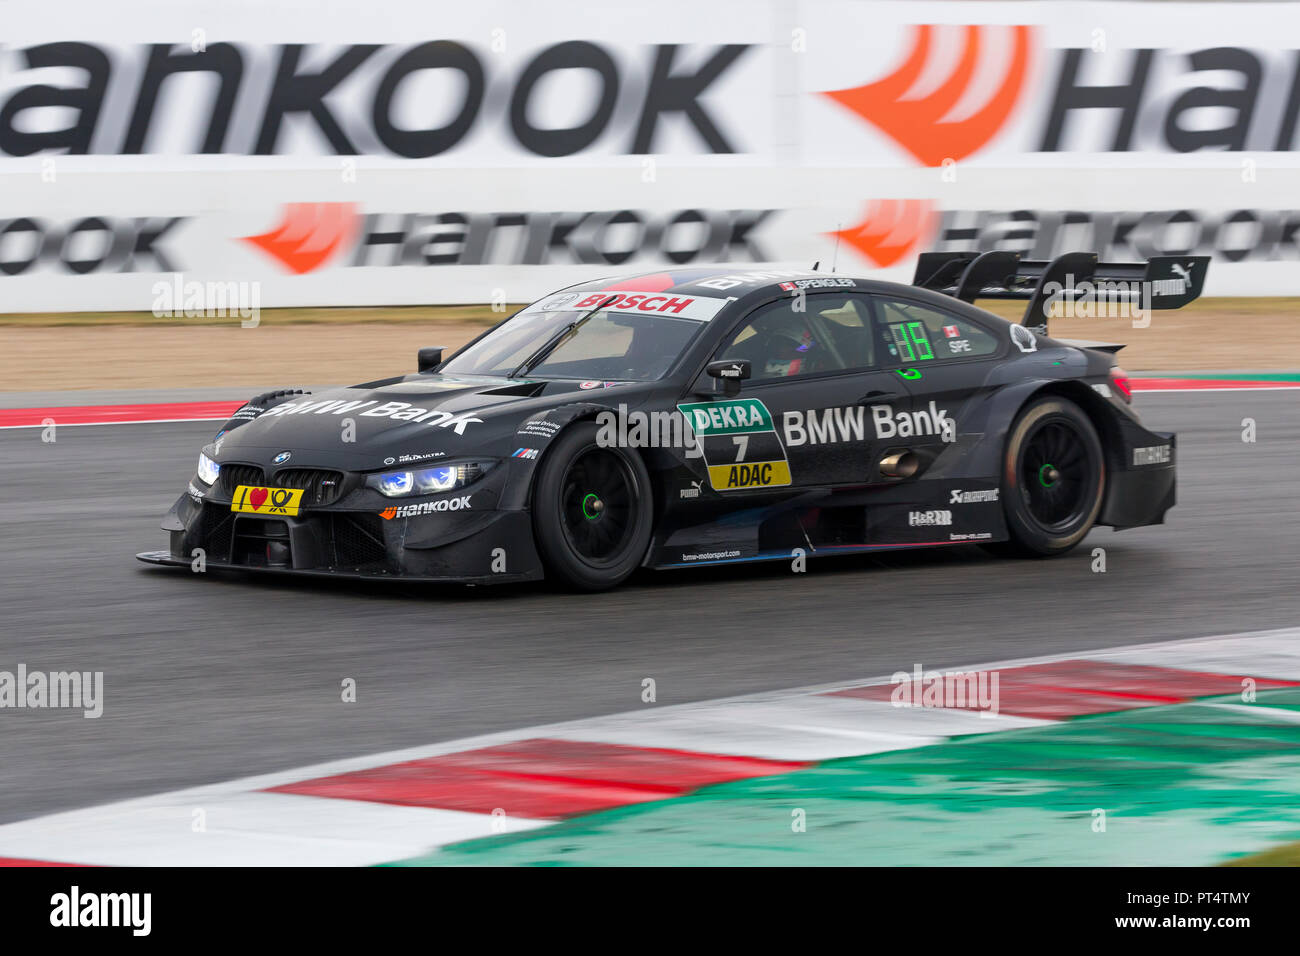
(831, 333)
(911, 332)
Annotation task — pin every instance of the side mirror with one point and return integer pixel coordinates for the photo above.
(730, 372)
(427, 359)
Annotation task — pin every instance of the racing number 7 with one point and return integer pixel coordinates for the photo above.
(742, 445)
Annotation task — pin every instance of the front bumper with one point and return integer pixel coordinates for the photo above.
(499, 553)
(363, 536)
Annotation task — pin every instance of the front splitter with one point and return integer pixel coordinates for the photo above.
(167, 559)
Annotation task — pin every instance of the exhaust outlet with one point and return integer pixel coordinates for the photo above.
(901, 464)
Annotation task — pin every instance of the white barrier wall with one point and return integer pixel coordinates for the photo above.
(404, 152)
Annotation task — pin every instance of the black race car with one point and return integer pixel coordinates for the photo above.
(698, 417)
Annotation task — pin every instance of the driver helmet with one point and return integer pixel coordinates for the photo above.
(788, 353)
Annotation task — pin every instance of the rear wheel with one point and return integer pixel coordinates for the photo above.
(592, 510)
(1053, 479)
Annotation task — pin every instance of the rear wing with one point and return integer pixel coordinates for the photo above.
(1162, 282)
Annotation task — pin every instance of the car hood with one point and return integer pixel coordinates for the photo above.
(409, 418)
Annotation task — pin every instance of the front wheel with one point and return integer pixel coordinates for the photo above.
(1053, 479)
(592, 510)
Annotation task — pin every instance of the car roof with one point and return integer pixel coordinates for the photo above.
(747, 284)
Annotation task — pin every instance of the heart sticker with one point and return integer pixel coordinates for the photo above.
(257, 497)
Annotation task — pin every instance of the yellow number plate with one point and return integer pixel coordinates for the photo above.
(758, 474)
(266, 501)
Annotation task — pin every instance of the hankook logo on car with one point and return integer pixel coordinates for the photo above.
(426, 508)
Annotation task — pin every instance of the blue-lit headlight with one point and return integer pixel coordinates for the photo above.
(429, 481)
(437, 479)
(208, 469)
(396, 483)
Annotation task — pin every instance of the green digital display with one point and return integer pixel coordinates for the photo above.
(916, 332)
(900, 342)
(911, 340)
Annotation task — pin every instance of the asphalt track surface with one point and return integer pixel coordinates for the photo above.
(212, 677)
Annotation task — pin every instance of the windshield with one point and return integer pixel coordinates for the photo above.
(608, 345)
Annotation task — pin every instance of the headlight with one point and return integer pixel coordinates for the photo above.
(208, 469)
(437, 479)
(428, 481)
(396, 483)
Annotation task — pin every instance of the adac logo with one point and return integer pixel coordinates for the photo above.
(922, 125)
(891, 230)
(309, 234)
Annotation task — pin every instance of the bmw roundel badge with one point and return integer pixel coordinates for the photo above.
(281, 458)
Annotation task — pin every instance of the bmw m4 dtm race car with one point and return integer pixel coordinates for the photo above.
(703, 416)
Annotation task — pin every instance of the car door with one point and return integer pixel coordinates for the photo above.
(815, 391)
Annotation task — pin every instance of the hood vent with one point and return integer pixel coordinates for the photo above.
(383, 382)
(519, 389)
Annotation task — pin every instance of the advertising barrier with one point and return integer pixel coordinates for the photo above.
(339, 155)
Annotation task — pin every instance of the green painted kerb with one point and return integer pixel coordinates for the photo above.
(1189, 784)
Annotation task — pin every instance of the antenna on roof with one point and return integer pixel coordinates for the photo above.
(816, 264)
(835, 256)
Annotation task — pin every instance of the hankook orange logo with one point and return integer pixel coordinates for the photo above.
(308, 234)
(891, 230)
(919, 124)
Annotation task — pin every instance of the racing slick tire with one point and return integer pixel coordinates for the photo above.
(593, 510)
(1053, 479)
